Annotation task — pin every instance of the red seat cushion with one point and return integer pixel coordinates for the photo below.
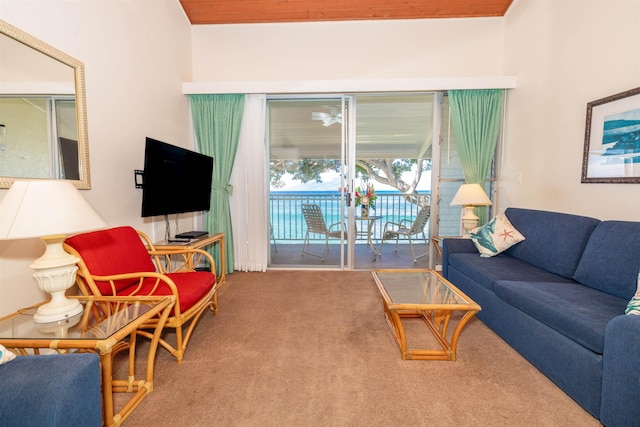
(120, 250)
(192, 287)
(113, 251)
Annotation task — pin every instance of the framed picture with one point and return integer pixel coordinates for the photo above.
(612, 139)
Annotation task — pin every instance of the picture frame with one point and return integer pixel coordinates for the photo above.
(612, 139)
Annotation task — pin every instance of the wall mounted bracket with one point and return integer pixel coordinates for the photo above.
(138, 176)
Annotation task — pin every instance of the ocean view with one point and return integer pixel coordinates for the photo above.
(288, 223)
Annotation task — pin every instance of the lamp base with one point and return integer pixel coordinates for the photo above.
(59, 328)
(53, 312)
(55, 272)
(469, 219)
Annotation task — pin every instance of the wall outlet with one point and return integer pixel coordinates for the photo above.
(519, 178)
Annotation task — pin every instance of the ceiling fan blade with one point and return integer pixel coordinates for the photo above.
(319, 116)
(327, 119)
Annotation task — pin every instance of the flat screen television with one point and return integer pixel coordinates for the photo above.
(175, 180)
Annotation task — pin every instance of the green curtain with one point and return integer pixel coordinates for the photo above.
(476, 116)
(216, 121)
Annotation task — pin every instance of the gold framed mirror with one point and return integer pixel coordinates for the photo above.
(44, 81)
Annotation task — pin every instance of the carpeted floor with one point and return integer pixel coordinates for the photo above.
(303, 348)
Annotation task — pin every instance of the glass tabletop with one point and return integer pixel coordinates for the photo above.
(418, 288)
(101, 318)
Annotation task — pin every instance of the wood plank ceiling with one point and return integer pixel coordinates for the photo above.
(264, 11)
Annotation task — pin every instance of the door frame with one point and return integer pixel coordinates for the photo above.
(344, 176)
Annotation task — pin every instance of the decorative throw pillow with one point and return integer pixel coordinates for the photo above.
(634, 304)
(5, 355)
(495, 237)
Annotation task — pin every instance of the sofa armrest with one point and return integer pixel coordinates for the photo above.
(620, 373)
(51, 390)
(453, 245)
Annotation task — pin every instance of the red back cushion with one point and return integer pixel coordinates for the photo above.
(113, 251)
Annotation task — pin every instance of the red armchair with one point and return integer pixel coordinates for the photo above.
(122, 261)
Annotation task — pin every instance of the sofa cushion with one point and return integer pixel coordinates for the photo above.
(554, 241)
(611, 259)
(633, 307)
(5, 355)
(486, 271)
(495, 237)
(576, 311)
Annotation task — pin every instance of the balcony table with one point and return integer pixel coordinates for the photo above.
(371, 220)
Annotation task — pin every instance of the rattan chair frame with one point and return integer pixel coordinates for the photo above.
(182, 322)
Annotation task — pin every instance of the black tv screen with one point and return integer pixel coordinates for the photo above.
(175, 180)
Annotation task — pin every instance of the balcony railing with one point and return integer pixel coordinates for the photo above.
(288, 225)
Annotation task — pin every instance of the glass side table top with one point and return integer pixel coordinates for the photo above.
(102, 318)
(420, 288)
(103, 327)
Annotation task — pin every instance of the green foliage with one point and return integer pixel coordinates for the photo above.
(305, 170)
(384, 171)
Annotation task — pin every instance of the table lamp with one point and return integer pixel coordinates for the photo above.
(49, 209)
(469, 196)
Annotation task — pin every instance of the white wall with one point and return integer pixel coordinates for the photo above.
(348, 50)
(565, 54)
(136, 55)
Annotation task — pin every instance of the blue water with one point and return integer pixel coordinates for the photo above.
(288, 223)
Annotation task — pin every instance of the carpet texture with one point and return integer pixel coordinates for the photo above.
(308, 348)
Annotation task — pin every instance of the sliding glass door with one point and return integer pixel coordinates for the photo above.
(392, 151)
(322, 149)
(307, 207)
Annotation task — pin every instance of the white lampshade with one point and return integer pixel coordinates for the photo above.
(471, 194)
(49, 209)
(44, 208)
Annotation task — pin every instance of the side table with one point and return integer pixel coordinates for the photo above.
(191, 262)
(102, 327)
(437, 244)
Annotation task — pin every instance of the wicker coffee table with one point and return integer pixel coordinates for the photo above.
(424, 294)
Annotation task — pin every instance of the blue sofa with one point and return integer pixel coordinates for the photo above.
(51, 390)
(558, 298)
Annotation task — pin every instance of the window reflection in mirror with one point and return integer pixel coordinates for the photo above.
(65, 142)
(39, 138)
(47, 86)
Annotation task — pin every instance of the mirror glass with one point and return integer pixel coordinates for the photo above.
(43, 121)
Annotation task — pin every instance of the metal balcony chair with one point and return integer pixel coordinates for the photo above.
(316, 224)
(272, 237)
(406, 228)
